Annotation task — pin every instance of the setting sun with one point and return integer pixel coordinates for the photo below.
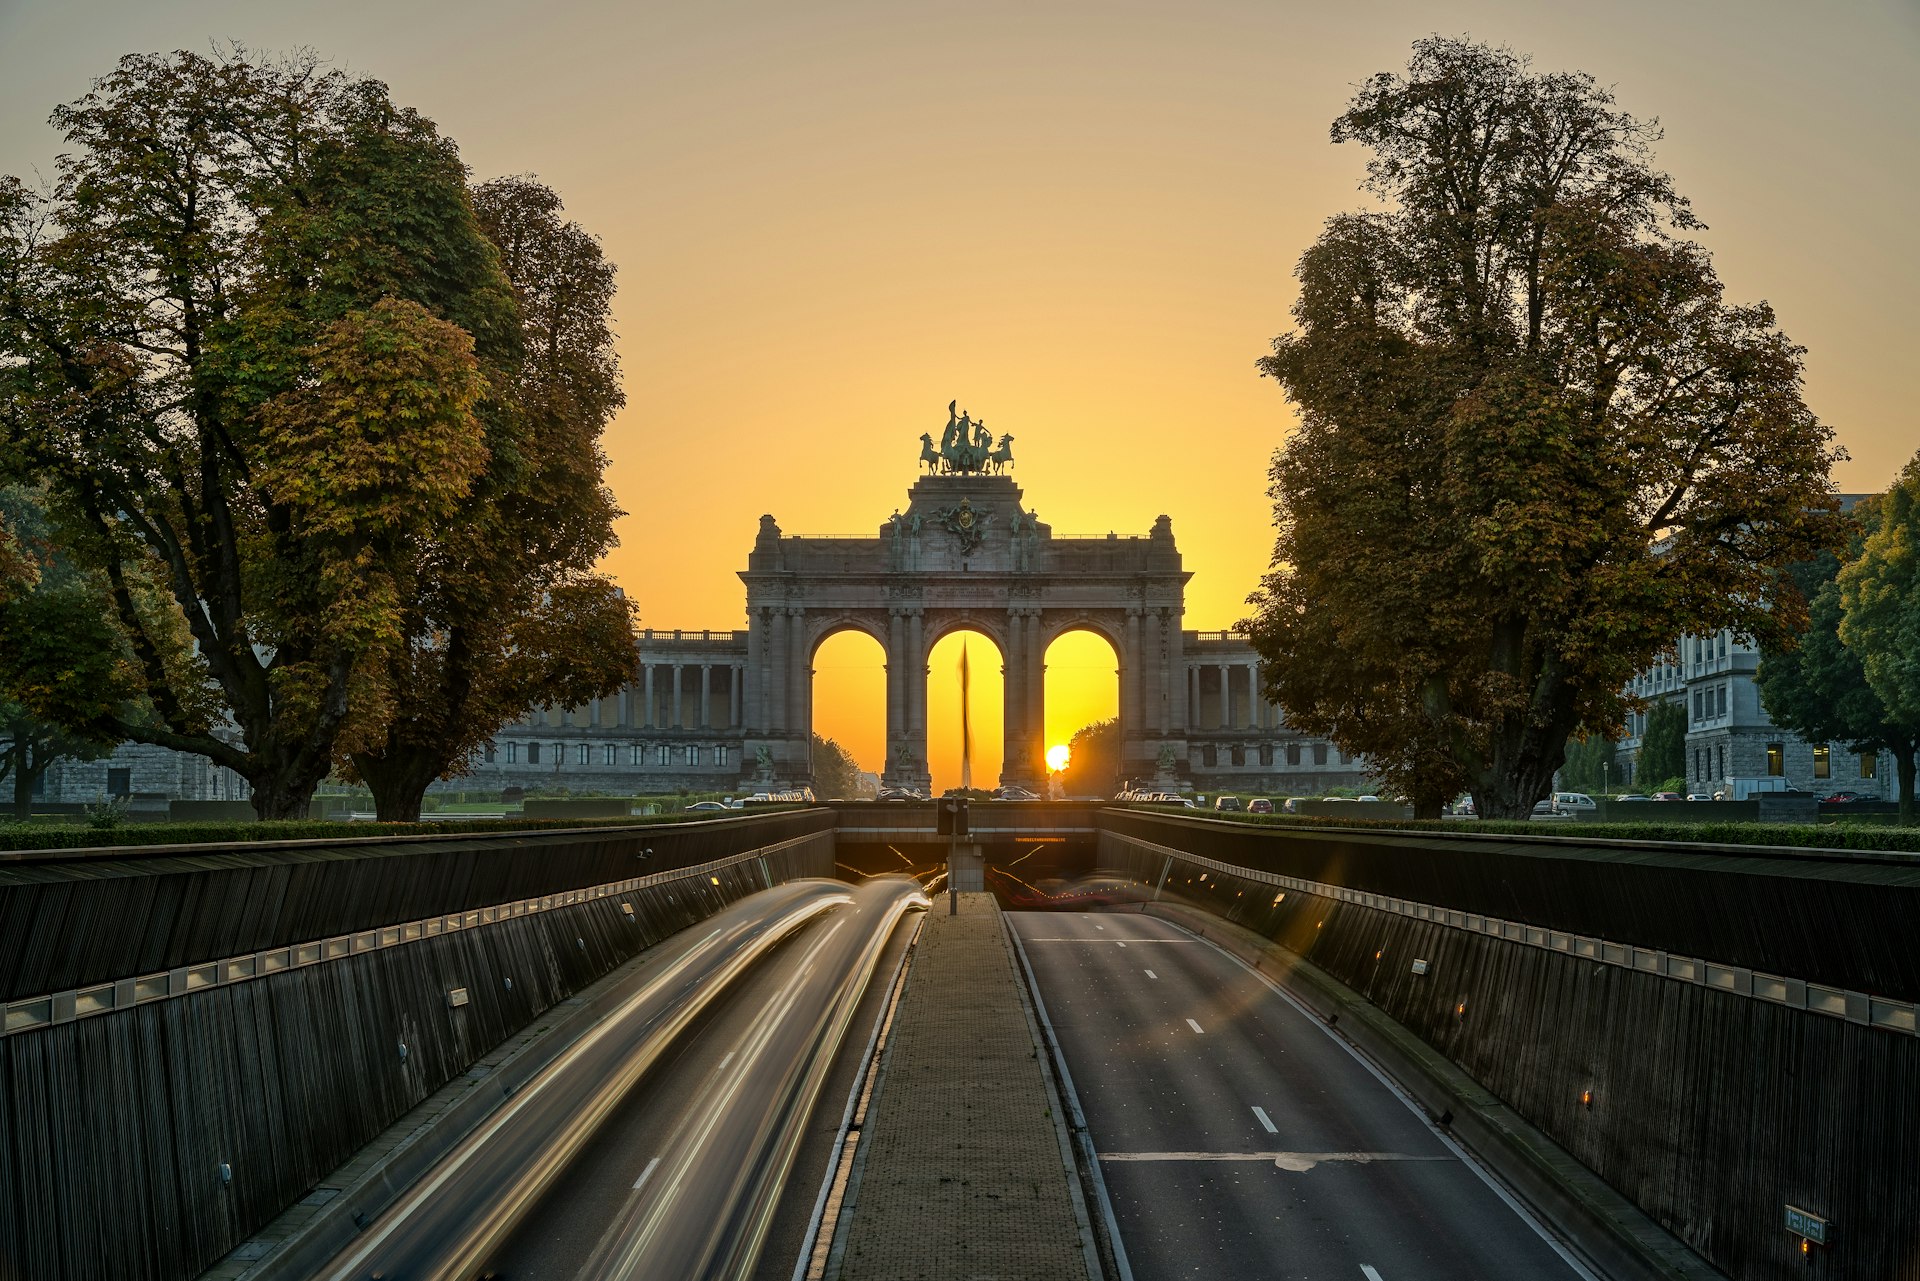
(1057, 756)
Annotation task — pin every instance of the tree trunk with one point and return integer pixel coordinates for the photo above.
(1903, 763)
(1429, 809)
(398, 781)
(282, 795)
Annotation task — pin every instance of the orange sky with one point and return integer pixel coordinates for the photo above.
(1080, 219)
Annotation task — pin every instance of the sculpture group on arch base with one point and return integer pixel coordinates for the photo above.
(966, 447)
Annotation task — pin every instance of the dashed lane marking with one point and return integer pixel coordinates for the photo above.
(1195, 1026)
(1266, 1120)
(645, 1174)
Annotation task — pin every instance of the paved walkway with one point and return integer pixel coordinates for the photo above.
(964, 1177)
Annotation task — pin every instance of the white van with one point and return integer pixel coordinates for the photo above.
(1573, 805)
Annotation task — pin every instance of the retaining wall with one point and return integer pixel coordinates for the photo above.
(1712, 1107)
(115, 1126)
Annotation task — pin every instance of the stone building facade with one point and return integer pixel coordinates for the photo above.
(731, 711)
(1730, 735)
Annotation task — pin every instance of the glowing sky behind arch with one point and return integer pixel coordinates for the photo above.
(1080, 219)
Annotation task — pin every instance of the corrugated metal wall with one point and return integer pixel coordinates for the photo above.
(113, 1128)
(1711, 1110)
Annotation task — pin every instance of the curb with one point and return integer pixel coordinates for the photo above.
(1615, 1235)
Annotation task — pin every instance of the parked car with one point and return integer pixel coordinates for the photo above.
(1366, 798)
(1227, 804)
(1844, 798)
(897, 794)
(1012, 793)
(1259, 805)
(1701, 796)
(1463, 807)
(1573, 804)
(1668, 796)
(1292, 804)
(705, 806)
(1633, 796)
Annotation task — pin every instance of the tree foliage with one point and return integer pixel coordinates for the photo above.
(1663, 747)
(505, 611)
(1093, 760)
(1536, 442)
(1589, 766)
(64, 674)
(261, 348)
(836, 775)
(1879, 623)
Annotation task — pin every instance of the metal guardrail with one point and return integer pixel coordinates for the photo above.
(1798, 994)
(36, 1012)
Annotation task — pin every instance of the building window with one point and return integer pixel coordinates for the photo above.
(693, 756)
(1699, 706)
(1266, 753)
(666, 757)
(1776, 760)
(1721, 754)
(533, 753)
(720, 757)
(489, 753)
(1319, 753)
(1869, 765)
(1293, 753)
(513, 753)
(1208, 757)
(1822, 761)
(119, 782)
(1720, 700)
(612, 755)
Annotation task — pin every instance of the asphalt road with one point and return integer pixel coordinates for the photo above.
(558, 1236)
(1239, 1139)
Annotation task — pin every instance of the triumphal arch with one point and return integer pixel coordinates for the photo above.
(732, 710)
(965, 552)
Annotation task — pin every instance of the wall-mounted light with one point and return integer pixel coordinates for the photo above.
(1377, 955)
(1461, 1008)
(226, 1175)
(456, 997)
(509, 985)
(403, 1051)
(714, 879)
(1419, 967)
(1586, 1098)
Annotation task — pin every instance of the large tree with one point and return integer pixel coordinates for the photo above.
(1879, 597)
(1093, 760)
(249, 339)
(64, 672)
(1536, 444)
(836, 775)
(1663, 747)
(505, 611)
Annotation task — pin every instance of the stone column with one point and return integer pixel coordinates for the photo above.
(916, 699)
(799, 682)
(1226, 697)
(896, 691)
(1034, 719)
(1193, 694)
(646, 680)
(679, 722)
(753, 695)
(706, 696)
(1013, 695)
(1130, 666)
(776, 718)
(1178, 714)
(733, 696)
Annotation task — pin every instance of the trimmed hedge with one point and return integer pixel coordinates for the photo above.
(1828, 836)
(23, 836)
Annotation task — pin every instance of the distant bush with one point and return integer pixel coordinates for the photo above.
(25, 836)
(1830, 836)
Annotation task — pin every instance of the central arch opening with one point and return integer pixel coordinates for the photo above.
(1082, 712)
(986, 692)
(849, 703)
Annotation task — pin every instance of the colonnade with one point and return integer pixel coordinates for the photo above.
(1259, 714)
(660, 698)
